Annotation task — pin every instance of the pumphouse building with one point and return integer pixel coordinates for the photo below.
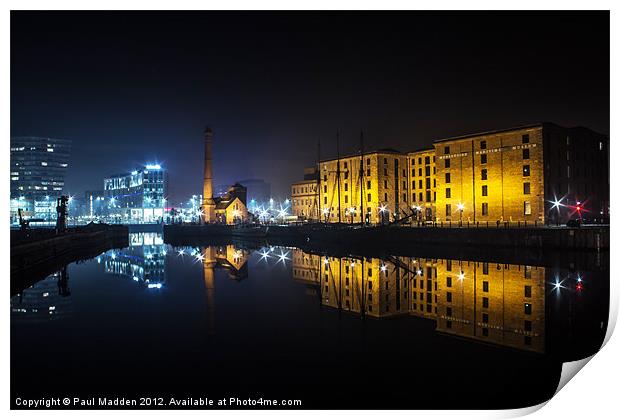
(231, 208)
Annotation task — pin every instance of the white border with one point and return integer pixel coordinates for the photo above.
(591, 394)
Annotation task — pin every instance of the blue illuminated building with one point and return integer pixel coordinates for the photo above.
(138, 196)
(38, 168)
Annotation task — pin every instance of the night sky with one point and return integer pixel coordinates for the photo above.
(131, 88)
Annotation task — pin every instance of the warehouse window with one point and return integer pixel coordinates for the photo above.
(485, 209)
(447, 192)
(485, 190)
(446, 150)
(526, 153)
(528, 291)
(527, 307)
(448, 210)
(526, 170)
(527, 209)
(483, 158)
(483, 144)
(448, 178)
(526, 188)
(525, 138)
(447, 163)
(483, 174)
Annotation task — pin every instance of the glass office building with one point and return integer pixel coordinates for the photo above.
(38, 168)
(138, 196)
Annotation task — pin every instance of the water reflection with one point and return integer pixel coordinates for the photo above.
(301, 313)
(144, 261)
(47, 300)
(501, 304)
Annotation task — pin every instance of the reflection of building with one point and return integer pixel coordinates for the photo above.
(306, 267)
(38, 168)
(358, 285)
(138, 196)
(233, 260)
(46, 300)
(494, 303)
(144, 261)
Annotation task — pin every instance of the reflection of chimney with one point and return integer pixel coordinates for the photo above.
(208, 205)
(208, 266)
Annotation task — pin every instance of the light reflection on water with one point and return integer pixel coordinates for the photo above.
(280, 297)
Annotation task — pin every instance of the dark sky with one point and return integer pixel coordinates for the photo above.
(136, 87)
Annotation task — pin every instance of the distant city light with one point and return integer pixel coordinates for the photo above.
(153, 166)
(461, 276)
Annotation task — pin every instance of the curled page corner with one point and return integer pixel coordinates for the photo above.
(570, 369)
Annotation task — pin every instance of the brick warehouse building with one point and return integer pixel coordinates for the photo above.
(537, 173)
(541, 172)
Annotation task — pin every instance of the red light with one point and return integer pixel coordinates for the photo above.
(578, 208)
(579, 287)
